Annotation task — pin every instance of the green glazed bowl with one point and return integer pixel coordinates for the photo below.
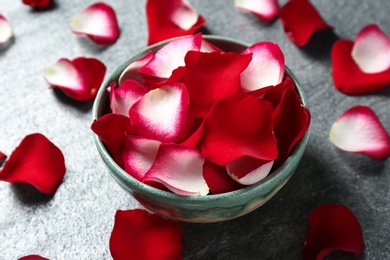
(201, 209)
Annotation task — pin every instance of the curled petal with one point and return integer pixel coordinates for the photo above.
(266, 67)
(275, 94)
(238, 126)
(80, 78)
(248, 170)
(265, 10)
(131, 72)
(39, 4)
(138, 234)
(122, 98)
(359, 130)
(171, 56)
(180, 169)
(5, 30)
(33, 257)
(171, 18)
(98, 22)
(163, 113)
(36, 161)
(139, 154)
(371, 50)
(332, 228)
(300, 19)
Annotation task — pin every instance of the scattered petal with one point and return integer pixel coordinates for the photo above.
(331, 228)
(131, 72)
(138, 234)
(248, 170)
(266, 67)
(33, 257)
(371, 50)
(171, 18)
(36, 161)
(180, 169)
(80, 78)
(98, 22)
(5, 30)
(300, 19)
(39, 4)
(359, 130)
(265, 10)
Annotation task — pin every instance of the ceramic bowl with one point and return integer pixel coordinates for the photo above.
(202, 209)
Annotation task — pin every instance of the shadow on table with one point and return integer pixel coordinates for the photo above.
(320, 44)
(82, 106)
(29, 195)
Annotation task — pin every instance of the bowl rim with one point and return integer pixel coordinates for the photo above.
(126, 179)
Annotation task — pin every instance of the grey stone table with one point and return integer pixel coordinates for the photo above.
(76, 222)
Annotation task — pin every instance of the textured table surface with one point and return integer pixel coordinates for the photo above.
(77, 221)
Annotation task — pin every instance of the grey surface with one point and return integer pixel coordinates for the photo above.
(76, 222)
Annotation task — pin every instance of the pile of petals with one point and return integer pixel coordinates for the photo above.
(5, 30)
(38, 4)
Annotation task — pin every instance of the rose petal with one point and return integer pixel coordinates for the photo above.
(217, 179)
(359, 130)
(171, 56)
(125, 96)
(163, 113)
(3, 157)
(80, 78)
(209, 47)
(237, 126)
(266, 67)
(214, 73)
(98, 22)
(331, 228)
(39, 4)
(180, 169)
(131, 71)
(371, 50)
(265, 10)
(5, 30)
(36, 161)
(300, 19)
(138, 234)
(275, 94)
(138, 155)
(248, 170)
(33, 257)
(171, 18)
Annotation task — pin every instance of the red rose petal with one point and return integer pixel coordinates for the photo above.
(237, 126)
(275, 93)
(171, 18)
(131, 72)
(98, 22)
(248, 170)
(80, 78)
(265, 10)
(36, 161)
(300, 19)
(5, 30)
(33, 257)
(331, 228)
(359, 130)
(39, 4)
(138, 234)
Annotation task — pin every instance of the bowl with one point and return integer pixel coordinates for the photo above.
(199, 209)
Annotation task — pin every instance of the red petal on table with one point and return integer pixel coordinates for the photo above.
(112, 129)
(171, 56)
(163, 113)
(214, 73)
(218, 180)
(359, 130)
(180, 169)
(138, 234)
(131, 71)
(266, 67)
(139, 154)
(248, 170)
(5, 30)
(33, 257)
(332, 228)
(80, 78)
(348, 77)
(237, 126)
(36, 161)
(300, 19)
(371, 50)
(122, 98)
(171, 18)
(39, 4)
(98, 22)
(265, 10)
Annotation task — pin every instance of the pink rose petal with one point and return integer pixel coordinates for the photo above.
(36, 161)
(266, 67)
(180, 169)
(80, 78)
(131, 71)
(248, 170)
(98, 22)
(265, 10)
(359, 130)
(5, 30)
(33, 257)
(39, 4)
(371, 50)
